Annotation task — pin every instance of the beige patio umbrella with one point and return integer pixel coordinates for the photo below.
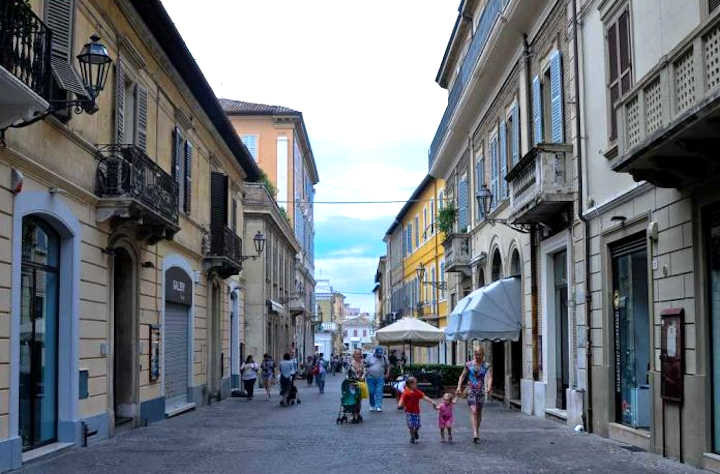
(410, 331)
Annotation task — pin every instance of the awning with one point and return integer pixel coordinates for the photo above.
(410, 330)
(493, 312)
(275, 307)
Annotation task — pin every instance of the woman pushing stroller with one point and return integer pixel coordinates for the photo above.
(351, 399)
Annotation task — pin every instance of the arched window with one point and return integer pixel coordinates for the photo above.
(515, 268)
(496, 266)
(481, 277)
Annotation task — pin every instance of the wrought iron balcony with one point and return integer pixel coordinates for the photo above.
(667, 123)
(328, 327)
(457, 253)
(25, 74)
(489, 16)
(133, 188)
(224, 257)
(541, 184)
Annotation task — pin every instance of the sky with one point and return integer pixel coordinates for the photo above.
(363, 74)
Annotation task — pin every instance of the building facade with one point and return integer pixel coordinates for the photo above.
(269, 326)
(115, 297)
(358, 333)
(278, 140)
(326, 331)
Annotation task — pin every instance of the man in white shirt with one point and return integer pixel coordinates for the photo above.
(377, 370)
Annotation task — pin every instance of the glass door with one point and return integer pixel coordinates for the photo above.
(632, 334)
(38, 334)
(713, 243)
(562, 360)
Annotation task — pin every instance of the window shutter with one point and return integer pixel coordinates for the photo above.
(494, 171)
(479, 182)
(515, 144)
(119, 103)
(219, 199)
(503, 160)
(141, 111)
(556, 97)
(463, 205)
(234, 215)
(188, 178)
(537, 111)
(713, 4)
(177, 156)
(59, 16)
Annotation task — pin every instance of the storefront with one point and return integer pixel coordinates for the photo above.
(178, 304)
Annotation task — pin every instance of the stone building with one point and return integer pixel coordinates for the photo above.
(116, 283)
(269, 325)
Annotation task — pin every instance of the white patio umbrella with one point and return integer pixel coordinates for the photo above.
(410, 331)
(492, 312)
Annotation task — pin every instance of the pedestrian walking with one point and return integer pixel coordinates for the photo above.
(267, 371)
(479, 376)
(403, 361)
(249, 371)
(378, 369)
(445, 416)
(287, 374)
(410, 401)
(309, 366)
(393, 358)
(319, 373)
(356, 373)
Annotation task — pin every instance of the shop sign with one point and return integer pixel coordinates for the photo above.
(178, 286)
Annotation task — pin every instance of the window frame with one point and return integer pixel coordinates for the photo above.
(256, 157)
(613, 20)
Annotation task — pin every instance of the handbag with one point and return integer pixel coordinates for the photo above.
(364, 392)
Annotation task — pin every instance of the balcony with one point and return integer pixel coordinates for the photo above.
(25, 74)
(224, 257)
(328, 327)
(487, 20)
(541, 184)
(667, 123)
(296, 304)
(134, 190)
(457, 253)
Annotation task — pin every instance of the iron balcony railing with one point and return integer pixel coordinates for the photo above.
(224, 242)
(25, 46)
(125, 171)
(488, 17)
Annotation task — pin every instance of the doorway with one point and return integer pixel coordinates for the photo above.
(713, 250)
(123, 337)
(234, 341)
(632, 333)
(562, 357)
(215, 350)
(39, 323)
(498, 368)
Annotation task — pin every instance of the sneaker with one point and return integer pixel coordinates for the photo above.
(378, 409)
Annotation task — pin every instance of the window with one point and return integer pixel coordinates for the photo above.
(425, 224)
(355, 332)
(463, 203)
(182, 169)
(503, 154)
(513, 128)
(250, 142)
(345, 333)
(131, 108)
(409, 239)
(619, 64)
(364, 332)
(441, 201)
(547, 92)
(494, 171)
(432, 216)
(479, 182)
(432, 280)
(442, 278)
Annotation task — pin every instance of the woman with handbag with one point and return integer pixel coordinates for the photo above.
(479, 376)
(249, 371)
(356, 372)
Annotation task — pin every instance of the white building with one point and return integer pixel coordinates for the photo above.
(358, 332)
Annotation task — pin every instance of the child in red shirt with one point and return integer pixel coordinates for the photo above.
(410, 400)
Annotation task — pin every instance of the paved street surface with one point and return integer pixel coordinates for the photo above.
(261, 437)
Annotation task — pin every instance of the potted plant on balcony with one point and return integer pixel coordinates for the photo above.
(446, 218)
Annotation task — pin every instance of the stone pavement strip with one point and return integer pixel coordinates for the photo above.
(261, 437)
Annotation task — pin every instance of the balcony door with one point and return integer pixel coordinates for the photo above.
(39, 334)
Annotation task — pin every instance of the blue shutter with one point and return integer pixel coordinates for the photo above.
(556, 97)
(404, 245)
(537, 111)
(463, 205)
(479, 181)
(503, 160)
(515, 137)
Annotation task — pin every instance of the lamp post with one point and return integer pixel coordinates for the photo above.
(420, 272)
(484, 199)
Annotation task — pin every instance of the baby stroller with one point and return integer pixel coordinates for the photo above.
(291, 397)
(350, 399)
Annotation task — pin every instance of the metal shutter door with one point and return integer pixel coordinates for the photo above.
(176, 354)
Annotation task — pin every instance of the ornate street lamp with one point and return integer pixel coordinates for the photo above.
(420, 272)
(259, 241)
(484, 199)
(94, 66)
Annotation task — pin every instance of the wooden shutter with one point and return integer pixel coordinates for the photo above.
(479, 182)
(141, 111)
(176, 157)
(59, 16)
(515, 144)
(494, 169)
(187, 201)
(503, 160)
(463, 205)
(556, 98)
(119, 103)
(233, 216)
(537, 111)
(218, 200)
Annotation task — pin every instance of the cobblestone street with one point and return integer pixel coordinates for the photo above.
(260, 437)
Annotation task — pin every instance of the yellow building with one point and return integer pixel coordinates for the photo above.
(422, 247)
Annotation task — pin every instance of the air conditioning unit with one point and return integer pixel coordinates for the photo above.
(640, 402)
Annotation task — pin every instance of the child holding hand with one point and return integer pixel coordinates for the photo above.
(445, 416)
(410, 401)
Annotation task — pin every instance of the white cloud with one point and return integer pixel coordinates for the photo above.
(351, 276)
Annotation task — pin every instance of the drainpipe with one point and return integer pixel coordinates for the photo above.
(533, 237)
(586, 227)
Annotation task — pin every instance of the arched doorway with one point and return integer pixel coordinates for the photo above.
(515, 266)
(496, 272)
(124, 354)
(480, 277)
(39, 328)
(498, 347)
(515, 346)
